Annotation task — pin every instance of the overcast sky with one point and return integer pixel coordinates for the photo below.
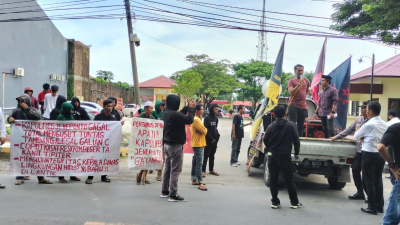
(164, 46)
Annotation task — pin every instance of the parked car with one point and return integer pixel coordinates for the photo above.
(92, 112)
(129, 110)
(93, 105)
(221, 113)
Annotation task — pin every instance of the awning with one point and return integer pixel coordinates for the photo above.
(220, 102)
(246, 103)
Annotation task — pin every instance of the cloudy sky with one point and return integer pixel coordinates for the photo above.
(164, 46)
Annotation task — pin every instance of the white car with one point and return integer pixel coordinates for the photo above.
(129, 110)
(92, 105)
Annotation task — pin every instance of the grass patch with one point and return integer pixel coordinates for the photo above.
(4, 156)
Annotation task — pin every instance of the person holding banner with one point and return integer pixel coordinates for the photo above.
(66, 114)
(174, 138)
(327, 104)
(147, 114)
(298, 88)
(278, 140)
(25, 112)
(114, 112)
(79, 112)
(198, 142)
(105, 115)
(3, 133)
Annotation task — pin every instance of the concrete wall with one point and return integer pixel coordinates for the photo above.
(37, 47)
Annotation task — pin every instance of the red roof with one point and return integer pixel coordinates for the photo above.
(158, 82)
(219, 102)
(388, 68)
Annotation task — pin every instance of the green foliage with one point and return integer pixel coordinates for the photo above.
(189, 83)
(70, 87)
(363, 18)
(227, 107)
(123, 85)
(100, 79)
(106, 75)
(252, 75)
(216, 78)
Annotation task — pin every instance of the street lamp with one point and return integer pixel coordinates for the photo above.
(372, 72)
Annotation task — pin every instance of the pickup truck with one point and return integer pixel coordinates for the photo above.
(318, 155)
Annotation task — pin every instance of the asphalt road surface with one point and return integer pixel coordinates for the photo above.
(234, 197)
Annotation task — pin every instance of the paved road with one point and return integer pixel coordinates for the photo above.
(232, 198)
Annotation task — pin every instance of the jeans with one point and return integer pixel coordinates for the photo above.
(235, 150)
(297, 116)
(197, 163)
(209, 154)
(392, 213)
(327, 127)
(356, 168)
(172, 169)
(280, 164)
(372, 167)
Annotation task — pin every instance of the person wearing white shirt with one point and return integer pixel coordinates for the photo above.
(50, 100)
(3, 133)
(370, 134)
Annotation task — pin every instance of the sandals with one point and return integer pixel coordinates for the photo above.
(44, 181)
(147, 182)
(202, 188)
(138, 180)
(106, 179)
(27, 178)
(88, 181)
(19, 182)
(2, 186)
(63, 181)
(214, 173)
(75, 179)
(203, 174)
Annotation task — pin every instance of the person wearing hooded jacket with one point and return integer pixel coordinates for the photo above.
(174, 138)
(56, 111)
(212, 137)
(79, 112)
(278, 139)
(24, 111)
(158, 110)
(66, 115)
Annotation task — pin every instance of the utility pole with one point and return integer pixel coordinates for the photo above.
(372, 77)
(133, 54)
(262, 38)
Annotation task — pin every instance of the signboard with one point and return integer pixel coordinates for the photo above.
(61, 148)
(145, 145)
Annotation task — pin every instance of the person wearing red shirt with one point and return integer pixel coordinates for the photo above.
(46, 89)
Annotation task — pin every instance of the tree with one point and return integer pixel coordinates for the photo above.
(216, 79)
(107, 75)
(363, 18)
(252, 76)
(189, 83)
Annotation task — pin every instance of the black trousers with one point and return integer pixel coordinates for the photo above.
(209, 154)
(284, 165)
(297, 116)
(372, 167)
(356, 169)
(327, 127)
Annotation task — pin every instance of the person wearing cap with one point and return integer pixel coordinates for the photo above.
(3, 133)
(327, 104)
(356, 166)
(372, 163)
(298, 88)
(42, 94)
(104, 115)
(147, 114)
(159, 110)
(24, 111)
(50, 101)
(34, 101)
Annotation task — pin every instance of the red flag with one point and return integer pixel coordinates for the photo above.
(319, 71)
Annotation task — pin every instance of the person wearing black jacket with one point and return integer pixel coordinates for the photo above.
(24, 111)
(114, 111)
(79, 112)
(212, 137)
(278, 140)
(56, 111)
(174, 138)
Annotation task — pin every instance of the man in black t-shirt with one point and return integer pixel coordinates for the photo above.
(237, 135)
(391, 137)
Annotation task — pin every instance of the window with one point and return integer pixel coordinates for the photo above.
(355, 110)
(394, 103)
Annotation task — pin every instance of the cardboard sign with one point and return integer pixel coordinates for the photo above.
(145, 146)
(61, 148)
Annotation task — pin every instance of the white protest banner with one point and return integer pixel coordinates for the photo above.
(145, 146)
(61, 148)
